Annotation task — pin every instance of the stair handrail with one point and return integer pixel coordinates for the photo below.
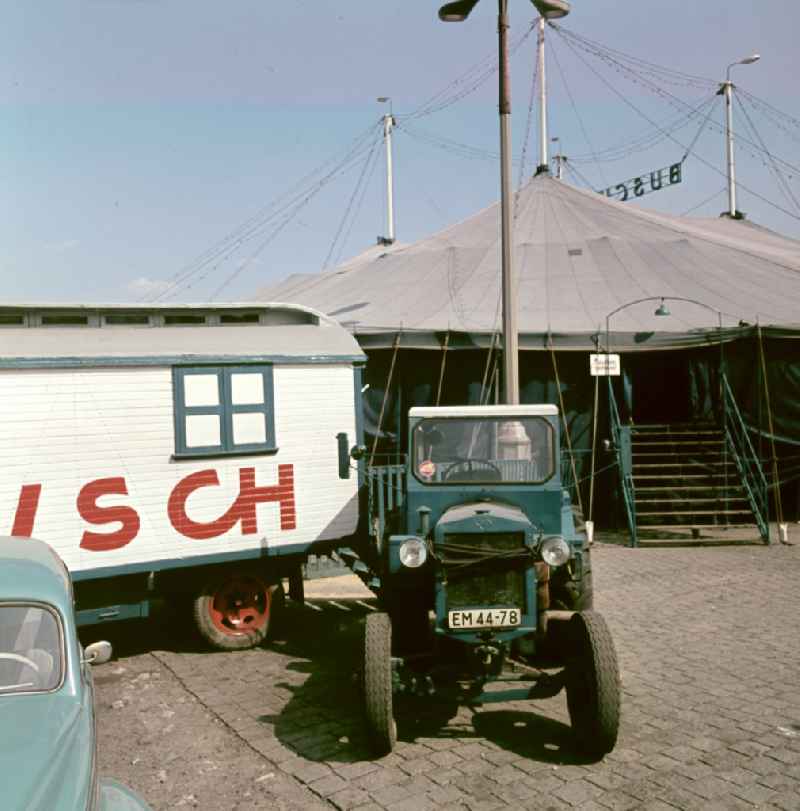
(747, 462)
(623, 463)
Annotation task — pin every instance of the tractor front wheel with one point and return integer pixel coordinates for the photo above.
(593, 685)
(381, 726)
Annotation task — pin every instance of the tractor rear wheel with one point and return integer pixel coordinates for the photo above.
(381, 726)
(593, 685)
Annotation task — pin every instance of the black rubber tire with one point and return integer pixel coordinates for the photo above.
(593, 685)
(381, 726)
(232, 639)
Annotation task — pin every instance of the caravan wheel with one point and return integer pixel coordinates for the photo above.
(236, 611)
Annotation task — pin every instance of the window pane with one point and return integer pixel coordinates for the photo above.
(30, 649)
(249, 429)
(247, 389)
(202, 431)
(201, 390)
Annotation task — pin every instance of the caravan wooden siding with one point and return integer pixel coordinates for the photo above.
(67, 430)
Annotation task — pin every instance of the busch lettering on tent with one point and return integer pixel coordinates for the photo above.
(243, 509)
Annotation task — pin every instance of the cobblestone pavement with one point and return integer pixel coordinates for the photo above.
(709, 649)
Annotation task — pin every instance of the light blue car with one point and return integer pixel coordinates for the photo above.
(48, 747)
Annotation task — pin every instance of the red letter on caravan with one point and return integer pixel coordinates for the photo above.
(176, 508)
(26, 510)
(243, 509)
(89, 511)
(250, 495)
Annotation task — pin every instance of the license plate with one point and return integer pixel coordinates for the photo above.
(485, 618)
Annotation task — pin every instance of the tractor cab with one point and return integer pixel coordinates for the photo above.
(480, 559)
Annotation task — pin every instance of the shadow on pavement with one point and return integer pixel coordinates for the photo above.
(323, 719)
(530, 735)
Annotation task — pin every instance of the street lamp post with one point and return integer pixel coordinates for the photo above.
(458, 12)
(726, 89)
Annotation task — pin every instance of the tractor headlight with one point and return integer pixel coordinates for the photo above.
(555, 551)
(413, 553)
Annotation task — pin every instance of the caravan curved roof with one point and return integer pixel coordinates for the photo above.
(135, 334)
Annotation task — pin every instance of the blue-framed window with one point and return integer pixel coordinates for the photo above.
(222, 410)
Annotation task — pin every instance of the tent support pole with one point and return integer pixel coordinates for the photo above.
(775, 480)
(395, 347)
(486, 377)
(594, 446)
(566, 425)
(441, 370)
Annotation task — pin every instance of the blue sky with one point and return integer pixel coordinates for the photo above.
(137, 134)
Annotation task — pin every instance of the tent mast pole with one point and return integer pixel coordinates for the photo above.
(388, 124)
(543, 162)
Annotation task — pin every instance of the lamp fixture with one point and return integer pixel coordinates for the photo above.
(662, 309)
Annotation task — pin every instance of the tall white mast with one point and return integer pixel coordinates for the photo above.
(388, 125)
(543, 163)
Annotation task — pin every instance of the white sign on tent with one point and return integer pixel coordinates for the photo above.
(602, 365)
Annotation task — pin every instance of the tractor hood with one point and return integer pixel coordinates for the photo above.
(484, 517)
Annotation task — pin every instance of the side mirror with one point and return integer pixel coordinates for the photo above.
(98, 653)
(344, 456)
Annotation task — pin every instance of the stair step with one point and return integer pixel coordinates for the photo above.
(667, 441)
(673, 527)
(679, 436)
(734, 487)
(685, 463)
(671, 476)
(674, 426)
(711, 500)
(692, 512)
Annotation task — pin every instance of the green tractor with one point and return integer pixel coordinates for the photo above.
(478, 559)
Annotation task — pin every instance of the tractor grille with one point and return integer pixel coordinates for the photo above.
(475, 588)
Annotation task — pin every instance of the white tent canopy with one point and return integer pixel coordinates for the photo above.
(578, 256)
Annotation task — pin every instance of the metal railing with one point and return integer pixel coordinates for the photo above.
(621, 437)
(738, 442)
(386, 487)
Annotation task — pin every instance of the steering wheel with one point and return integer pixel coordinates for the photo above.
(24, 660)
(475, 469)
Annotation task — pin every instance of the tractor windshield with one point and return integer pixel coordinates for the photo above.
(475, 450)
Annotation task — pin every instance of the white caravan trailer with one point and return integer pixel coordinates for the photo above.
(182, 452)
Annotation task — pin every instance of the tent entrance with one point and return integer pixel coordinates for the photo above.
(660, 387)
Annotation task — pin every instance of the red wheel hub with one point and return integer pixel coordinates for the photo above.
(240, 606)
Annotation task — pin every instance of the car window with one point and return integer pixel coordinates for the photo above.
(31, 649)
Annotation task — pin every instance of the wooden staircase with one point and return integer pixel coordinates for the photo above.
(686, 484)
